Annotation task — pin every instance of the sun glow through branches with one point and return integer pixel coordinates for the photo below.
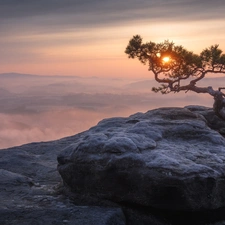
(166, 59)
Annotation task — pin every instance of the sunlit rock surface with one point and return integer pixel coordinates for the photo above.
(168, 158)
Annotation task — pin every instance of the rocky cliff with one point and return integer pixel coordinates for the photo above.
(165, 166)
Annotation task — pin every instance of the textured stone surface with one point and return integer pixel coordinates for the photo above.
(212, 120)
(30, 190)
(168, 158)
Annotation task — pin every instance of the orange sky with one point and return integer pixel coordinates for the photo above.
(89, 40)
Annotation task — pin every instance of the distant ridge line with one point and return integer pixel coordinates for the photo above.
(18, 75)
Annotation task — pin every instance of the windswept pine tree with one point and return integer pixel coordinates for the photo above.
(177, 69)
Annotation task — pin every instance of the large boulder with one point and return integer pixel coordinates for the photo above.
(168, 158)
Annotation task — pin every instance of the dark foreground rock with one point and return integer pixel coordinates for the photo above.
(164, 167)
(31, 193)
(166, 159)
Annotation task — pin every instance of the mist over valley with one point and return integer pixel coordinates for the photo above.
(41, 108)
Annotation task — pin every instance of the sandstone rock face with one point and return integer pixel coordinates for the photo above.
(168, 158)
(212, 120)
(30, 190)
(163, 167)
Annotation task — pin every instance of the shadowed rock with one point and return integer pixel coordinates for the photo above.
(166, 158)
(163, 167)
(30, 190)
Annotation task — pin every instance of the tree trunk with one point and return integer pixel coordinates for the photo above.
(219, 105)
(219, 98)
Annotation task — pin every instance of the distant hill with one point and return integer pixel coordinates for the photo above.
(20, 75)
(15, 75)
(143, 85)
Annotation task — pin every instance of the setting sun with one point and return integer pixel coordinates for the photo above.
(166, 59)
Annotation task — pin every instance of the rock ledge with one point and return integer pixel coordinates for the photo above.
(168, 158)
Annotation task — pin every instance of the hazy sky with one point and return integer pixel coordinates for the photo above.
(88, 37)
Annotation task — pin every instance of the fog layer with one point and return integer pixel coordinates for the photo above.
(42, 108)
